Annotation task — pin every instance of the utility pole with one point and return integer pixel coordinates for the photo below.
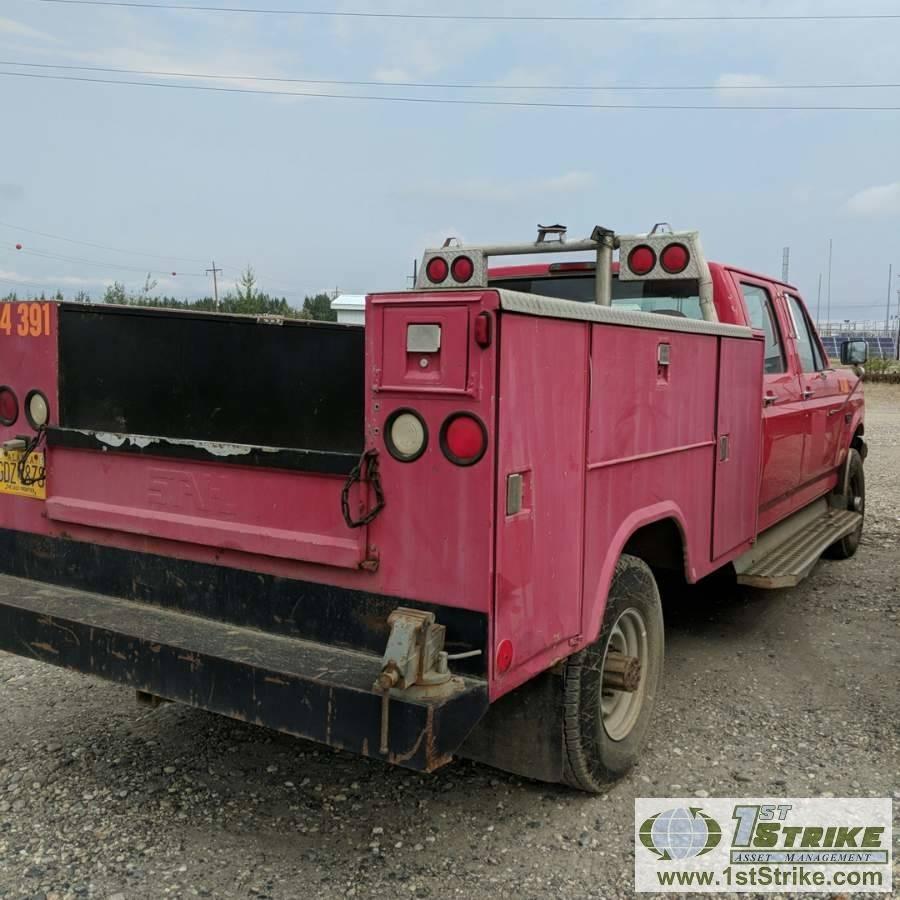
(215, 272)
(830, 264)
(819, 306)
(887, 321)
(786, 265)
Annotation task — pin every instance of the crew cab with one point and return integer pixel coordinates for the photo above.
(440, 534)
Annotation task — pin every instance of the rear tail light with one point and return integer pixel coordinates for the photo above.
(464, 439)
(406, 435)
(437, 270)
(675, 259)
(642, 260)
(9, 406)
(37, 409)
(463, 269)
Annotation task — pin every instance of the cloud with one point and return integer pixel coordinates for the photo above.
(17, 29)
(495, 191)
(876, 201)
(738, 86)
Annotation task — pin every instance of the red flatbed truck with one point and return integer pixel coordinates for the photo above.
(439, 535)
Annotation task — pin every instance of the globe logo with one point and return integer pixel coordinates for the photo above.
(680, 834)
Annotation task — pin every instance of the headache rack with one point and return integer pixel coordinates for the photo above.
(661, 254)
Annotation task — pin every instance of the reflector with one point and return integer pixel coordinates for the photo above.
(463, 269)
(9, 406)
(437, 270)
(642, 260)
(463, 439)
(675, 258)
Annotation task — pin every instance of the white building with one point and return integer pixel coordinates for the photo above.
(350, 309)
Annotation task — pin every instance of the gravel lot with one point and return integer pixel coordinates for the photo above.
(793, 693)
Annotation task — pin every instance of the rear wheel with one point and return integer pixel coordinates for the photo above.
(610, 688)
(854, 499)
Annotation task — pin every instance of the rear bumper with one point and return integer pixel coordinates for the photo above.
(306, 688)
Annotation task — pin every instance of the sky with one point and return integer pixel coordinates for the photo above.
(318, 193)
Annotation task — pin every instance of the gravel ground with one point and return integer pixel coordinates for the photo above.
(792, 693)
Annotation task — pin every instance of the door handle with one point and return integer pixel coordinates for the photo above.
(807, 393)
(770, 399)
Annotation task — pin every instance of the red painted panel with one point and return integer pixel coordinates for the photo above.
(544, 396)
(642, 408)
(740, 427)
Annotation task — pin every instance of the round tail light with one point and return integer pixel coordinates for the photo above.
(463, 269)
(437, 270)
(37, 409)
(675, 258)
(406, 435)
(642, 260)
(9, 406)
(464, 439)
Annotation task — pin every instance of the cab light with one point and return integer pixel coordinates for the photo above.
(642, 260)
(406, 435)
(675, 259)
(37, 409)
(463, 269)
(9, 406)
(464, 439)
(437, 270)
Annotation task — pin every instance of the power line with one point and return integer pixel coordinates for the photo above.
(460, 17)
(457, 85)
(104, 265)
(521, 104)
(57, 237)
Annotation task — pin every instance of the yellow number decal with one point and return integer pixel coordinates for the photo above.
(35, 320)
(22, 310)
(5, 318)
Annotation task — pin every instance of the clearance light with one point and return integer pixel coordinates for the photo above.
(463, 439)
(9, 406)
(406, 435)
(675, 259)
(463, 269)
(504, 657)
(37, 409)
(437, 270)
(642, 260)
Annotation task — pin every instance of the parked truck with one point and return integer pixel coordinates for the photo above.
(438, 535)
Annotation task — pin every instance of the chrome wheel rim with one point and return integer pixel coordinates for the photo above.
(620, 710)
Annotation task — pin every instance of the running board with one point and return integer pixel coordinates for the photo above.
(787, 553)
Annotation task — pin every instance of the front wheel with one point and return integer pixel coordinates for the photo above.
(610, 688)
(854, 499)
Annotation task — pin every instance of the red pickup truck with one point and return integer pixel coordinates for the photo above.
(438, 535)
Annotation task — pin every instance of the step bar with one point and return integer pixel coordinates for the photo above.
(787, 553)
(308, 689)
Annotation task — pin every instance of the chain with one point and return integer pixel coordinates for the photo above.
(366, 469)
(30, 448)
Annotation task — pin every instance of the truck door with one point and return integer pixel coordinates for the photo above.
(821, 393)
(784, 413)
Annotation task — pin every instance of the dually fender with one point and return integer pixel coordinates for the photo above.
(595, 597)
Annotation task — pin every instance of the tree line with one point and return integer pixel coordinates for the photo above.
(245, 299)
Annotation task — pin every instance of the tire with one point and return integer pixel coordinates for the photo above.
(605, 730)
(853, 498)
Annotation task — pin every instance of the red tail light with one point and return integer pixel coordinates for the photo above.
(464, 439)
(642, 260)
(9, 406)
(437, 270)
(675, 258)
(463, 269)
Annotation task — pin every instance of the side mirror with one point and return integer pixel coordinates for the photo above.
(854, 353)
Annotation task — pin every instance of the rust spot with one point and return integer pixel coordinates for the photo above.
(46, 648)
(365, 747)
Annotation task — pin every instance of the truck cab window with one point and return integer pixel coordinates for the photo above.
(809, 353)
(762, 318)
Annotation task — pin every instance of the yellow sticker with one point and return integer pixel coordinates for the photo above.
(34, 483)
